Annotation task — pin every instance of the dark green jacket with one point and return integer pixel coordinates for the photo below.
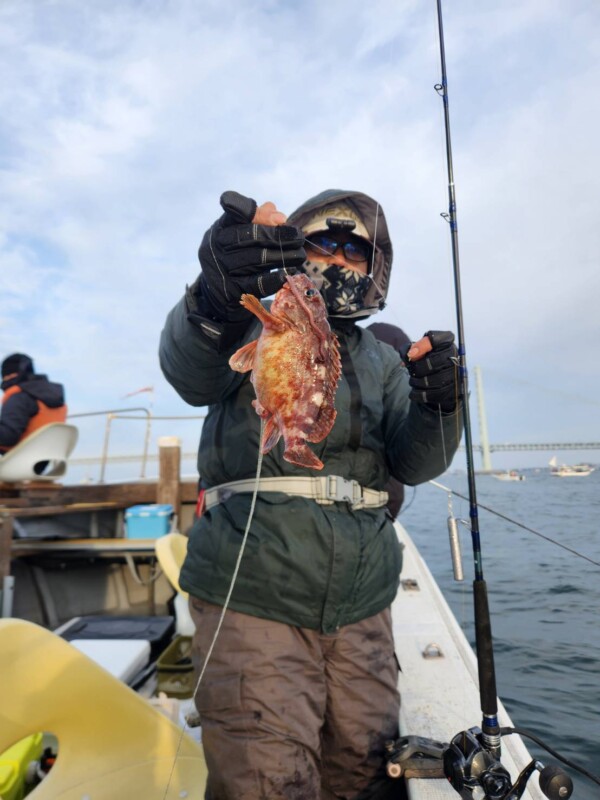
(305, 564)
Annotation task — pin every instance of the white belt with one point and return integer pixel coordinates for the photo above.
(325, 490)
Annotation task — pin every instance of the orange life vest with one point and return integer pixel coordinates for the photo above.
(45, 415)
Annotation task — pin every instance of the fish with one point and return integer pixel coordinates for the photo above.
(296, 368)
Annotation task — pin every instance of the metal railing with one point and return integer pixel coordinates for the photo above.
(128, 414)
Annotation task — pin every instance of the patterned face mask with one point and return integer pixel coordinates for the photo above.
(343, 289)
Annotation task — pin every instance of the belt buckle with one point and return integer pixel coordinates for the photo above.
(341, 490)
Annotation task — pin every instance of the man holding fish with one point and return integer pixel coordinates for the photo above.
(299, 693)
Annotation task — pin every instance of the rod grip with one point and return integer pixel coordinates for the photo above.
(485, 652)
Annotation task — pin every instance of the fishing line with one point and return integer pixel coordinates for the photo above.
(472, 759)
(369, 274)
(455, 541)
(537, 740)
(375, 284)
(372, 270)
(405, 508)
(490, 736)
(236, 568)
(285, 269)
(518, 524)
(229, 593)
(239, 558)
(316, 246)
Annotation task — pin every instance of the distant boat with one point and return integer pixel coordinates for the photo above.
(509, 475)
(565, 471)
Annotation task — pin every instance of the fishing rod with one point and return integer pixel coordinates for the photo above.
(485, 656)
(472, 760)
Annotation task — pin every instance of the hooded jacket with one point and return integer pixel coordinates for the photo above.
(29, 402)
(372, 216)
(305, 564)
(397, 339)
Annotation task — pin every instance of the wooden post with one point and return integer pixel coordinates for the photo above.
(6, 534)
(169, 469)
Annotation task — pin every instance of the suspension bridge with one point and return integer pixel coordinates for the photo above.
(508, 447)
(486, 449)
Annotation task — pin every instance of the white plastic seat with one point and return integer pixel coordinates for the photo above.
(112, 744)
(53, 443)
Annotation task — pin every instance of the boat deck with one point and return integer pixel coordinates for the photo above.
(438, 682)
(440, 693)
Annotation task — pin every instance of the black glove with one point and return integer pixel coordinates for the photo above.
(237, 257)
(434, 378)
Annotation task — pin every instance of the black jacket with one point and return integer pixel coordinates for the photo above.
(394, 336)
(305, 564)
(20, 407)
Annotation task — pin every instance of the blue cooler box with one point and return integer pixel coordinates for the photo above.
(148, 522)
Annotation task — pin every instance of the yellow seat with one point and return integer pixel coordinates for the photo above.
(53, 443)
(171, 550)
(112, 744)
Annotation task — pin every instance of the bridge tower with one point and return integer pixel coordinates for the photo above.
(483, 429)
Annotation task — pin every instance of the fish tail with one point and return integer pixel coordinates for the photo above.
(297, 452)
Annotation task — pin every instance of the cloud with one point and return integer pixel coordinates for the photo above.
(123, 123)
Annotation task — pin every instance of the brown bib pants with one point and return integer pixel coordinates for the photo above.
(293, 714)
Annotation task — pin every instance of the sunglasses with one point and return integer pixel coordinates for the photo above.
(354, 250)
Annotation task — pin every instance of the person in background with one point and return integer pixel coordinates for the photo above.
(299, 694)
(29, 401)
(396, 338)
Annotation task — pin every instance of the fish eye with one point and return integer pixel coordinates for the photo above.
(310, 292)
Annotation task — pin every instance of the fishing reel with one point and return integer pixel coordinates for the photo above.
(476, 774)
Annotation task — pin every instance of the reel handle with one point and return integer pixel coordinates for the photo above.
(555, 783)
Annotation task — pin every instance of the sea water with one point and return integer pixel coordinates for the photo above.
(544, 601)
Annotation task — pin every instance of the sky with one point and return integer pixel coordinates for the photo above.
(121, 123)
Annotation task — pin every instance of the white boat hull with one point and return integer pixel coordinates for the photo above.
(510, 477)
(570, 473)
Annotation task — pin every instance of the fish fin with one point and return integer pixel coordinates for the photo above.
(323, 423)
(271, 435)
(327, 413)
(300, 454)
(253, 304)
(243, 359)
(335, 362)
(262, 412)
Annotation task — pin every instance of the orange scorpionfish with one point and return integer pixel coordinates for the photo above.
(295, 366)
